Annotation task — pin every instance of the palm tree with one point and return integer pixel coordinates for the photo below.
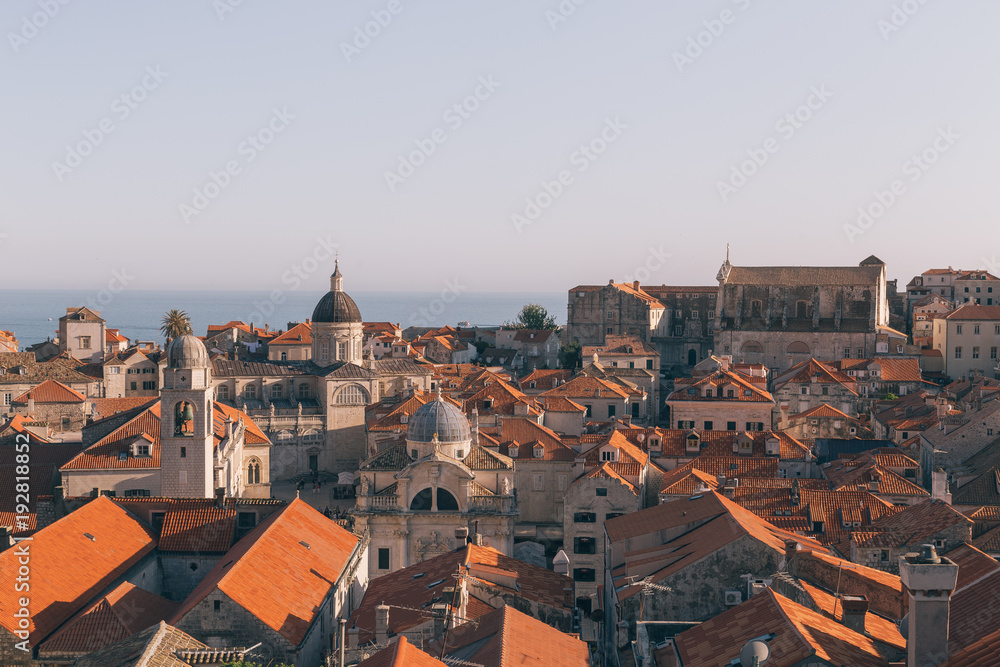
(175, 323)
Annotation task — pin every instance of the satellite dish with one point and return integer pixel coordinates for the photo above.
(641, 437)
(904, 626)
(754, 653)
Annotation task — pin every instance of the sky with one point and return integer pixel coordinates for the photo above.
(514, 145)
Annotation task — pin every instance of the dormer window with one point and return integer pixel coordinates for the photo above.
(609, 455)
(539, 452)
(512, 451)
(693, 442)
(708, 393)
(403, 419)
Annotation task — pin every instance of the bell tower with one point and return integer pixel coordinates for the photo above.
(187, 443)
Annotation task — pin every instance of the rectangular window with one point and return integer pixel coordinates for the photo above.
(114, 370)
(825, 391)
(613, 515)
(584, 574)
(217, 605)
(137, 493)
(861, 353)
(184, 452)
(730, 426)
(958, 352)
(149, 385)
(383, 558)
(611, 411)
(602, 492)
(975, 351)
(958, 328)
(708, 425)
(975, 329)
(610, 330)
(993, 353)
(182, 477)
(584, 545)
(611, 316)
(341, 351)
(132, 385)
(585, 517)
(694, 314)
(847, 353)
(588, 410)
(649, 364)
(539, 481)
(7, 398)
(561, 480)
(85, 342)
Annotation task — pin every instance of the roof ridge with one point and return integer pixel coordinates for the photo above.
(154, 642)
(792, 622)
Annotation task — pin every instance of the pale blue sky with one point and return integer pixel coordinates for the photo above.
(656, 186)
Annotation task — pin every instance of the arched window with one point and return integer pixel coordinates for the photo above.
(277, 390)
(422, 501)
(752, 347)
(352, 395)
(222, 393)
(253, 471)
(250, 392)
(446, 501)
(798, 347)
(183, 419)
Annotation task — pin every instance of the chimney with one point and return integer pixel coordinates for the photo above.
(939, 486)
(791, 548)
(873, 484)
(783, 424)
(381, 624)
(220, 497)
(560, 564)
(724, 363)
(729, 491)
(461, 536)
(635, 285)
(31, 403)
(855, 607)
(929, 581)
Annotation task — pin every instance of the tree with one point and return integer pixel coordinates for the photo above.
(570, 356)
(533, 316)
(175, 323)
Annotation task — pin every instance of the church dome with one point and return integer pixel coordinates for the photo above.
(187, 352)
(442, 418)
(336, 306)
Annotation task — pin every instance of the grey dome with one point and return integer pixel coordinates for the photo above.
(187, 352)
(442, 418)
(336, 307)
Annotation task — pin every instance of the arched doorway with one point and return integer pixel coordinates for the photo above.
(692, 357)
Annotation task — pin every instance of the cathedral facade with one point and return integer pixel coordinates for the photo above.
(423, 497)
(313, 410)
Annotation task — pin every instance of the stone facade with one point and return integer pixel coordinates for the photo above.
(781, 316)
(82, 334)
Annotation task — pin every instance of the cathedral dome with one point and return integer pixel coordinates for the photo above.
(336, 306)
(442, 418)
(187, 352)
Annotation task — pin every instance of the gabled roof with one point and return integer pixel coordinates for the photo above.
(157, 646)
(744, 389)
(824, 411)
(527, 435)
(546, 378)
(198, 528)
(805, 371)
(121, 613)
(51, 391)
(970, 311)
(69, 567)
(311, 553)
(673, 443)
(506, 637)
(877, 627)
(585, 388)
(300, 334)
(416, 587)
(801, 635)
(607, 471)
(401, 653)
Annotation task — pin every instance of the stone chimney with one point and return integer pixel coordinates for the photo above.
(31, 403)
(560, 564)
(783, 423)
(381, 624)
(929, 581)
(724, 363)
(873, 485)
(635, 285)
(939, 486)
(461, 536)
(791, 548)
(855, 607)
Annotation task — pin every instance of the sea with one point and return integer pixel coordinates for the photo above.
(33, 315)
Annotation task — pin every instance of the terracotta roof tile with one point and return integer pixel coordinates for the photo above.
(300, 334)
(801, 635)
(198, 529)
(401, 653)
(287, 604)
(68, 568)
(51, 391)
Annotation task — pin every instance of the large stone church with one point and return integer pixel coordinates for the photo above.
(313, 410)
(414, 496)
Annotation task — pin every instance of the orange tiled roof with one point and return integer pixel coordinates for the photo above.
(804, 372)
(627, 452)
(51, 391)
(673, 443)
(68, 568)
(287, 604)
(204, 529)
(121, 613)
(506, 637)
(300, 334)
(401, 653)
(824, 410)
(582, 388)
(411, 587)
(526, 435)
(744, 388)
(980, 653)
(607, 471)
(802, 636)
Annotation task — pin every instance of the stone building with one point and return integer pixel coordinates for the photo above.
(677, 321)
(724, 400)
(414, 496)
(184, 445)
(55, 404)
(810, 384)
(313, 409)
(131, 374)
(20, 373)
(783, 315)
(82, 334)
(969, 340)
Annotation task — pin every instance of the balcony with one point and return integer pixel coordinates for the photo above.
(492, 504)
